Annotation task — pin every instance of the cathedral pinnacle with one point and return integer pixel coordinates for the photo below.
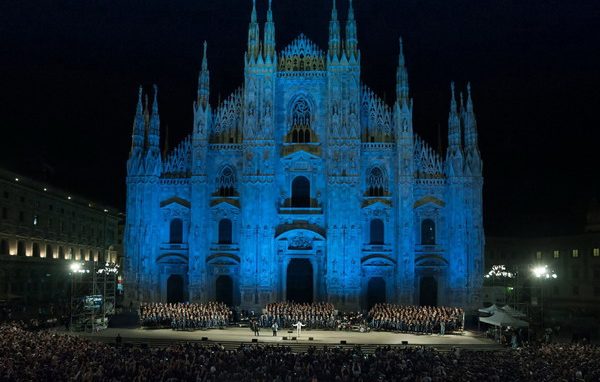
(401, 78)
(154, 128)
(137, 138)
(155, 101)
(470, 122)
(139, 110)
(351, 39)
(253, 16)
(454, 135)
(204, 81)
(253, 35)
(204, 60)
(269, 39)
(469, 100)
(334, 34)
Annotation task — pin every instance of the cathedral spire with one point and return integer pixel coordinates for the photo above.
(137, 137)
(351, 39)
(401, 78)
(334, 34)
(203, 82)
(154, 127)
(454, 134)
(470, 122)
(253, 35)
(269, 40)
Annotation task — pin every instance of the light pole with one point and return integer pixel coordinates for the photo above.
(542, 272)
(76, 268)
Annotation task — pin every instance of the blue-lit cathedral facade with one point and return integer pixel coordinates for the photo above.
(304, 185)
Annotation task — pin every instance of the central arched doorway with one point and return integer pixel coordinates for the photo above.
(224, 290)
(299, 286)
(428, 291)
(375, 291)
(175, 288)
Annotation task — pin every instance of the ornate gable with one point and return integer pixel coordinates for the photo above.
(178, 163)
(301, 55)
(376, 118)
(428, 164)
(226, 126)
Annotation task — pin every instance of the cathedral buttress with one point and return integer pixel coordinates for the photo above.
(258, 209)
(344, 167)
(405, 187)
(198, 232)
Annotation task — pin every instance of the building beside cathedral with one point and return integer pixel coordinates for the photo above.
(304, 185)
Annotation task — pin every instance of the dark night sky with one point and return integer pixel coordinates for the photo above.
(69, 73)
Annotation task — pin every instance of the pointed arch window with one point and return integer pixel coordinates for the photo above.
(376, 231)
(428, 232)
(226, 182)
(301, 119)
(376, 182)
(176, 231)
(225, 231)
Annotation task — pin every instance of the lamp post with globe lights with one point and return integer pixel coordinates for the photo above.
(542, 272)
(76, 268)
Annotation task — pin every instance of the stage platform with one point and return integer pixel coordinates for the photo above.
(233, 337)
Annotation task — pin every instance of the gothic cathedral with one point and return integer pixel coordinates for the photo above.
(304, 185)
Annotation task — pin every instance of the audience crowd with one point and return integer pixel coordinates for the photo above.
(416, 319)
(47, 356)
(319, 315)
(184, 316)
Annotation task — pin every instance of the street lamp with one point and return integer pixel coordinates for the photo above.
(542, 272)
(76, 268)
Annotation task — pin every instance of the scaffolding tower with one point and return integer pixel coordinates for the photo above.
(93, 295)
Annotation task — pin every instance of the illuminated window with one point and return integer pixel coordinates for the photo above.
(596, 252)
(35, 219)
(556, 254)
(538, 255)
(575, 253)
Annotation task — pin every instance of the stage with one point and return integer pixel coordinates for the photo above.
(232, 337)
